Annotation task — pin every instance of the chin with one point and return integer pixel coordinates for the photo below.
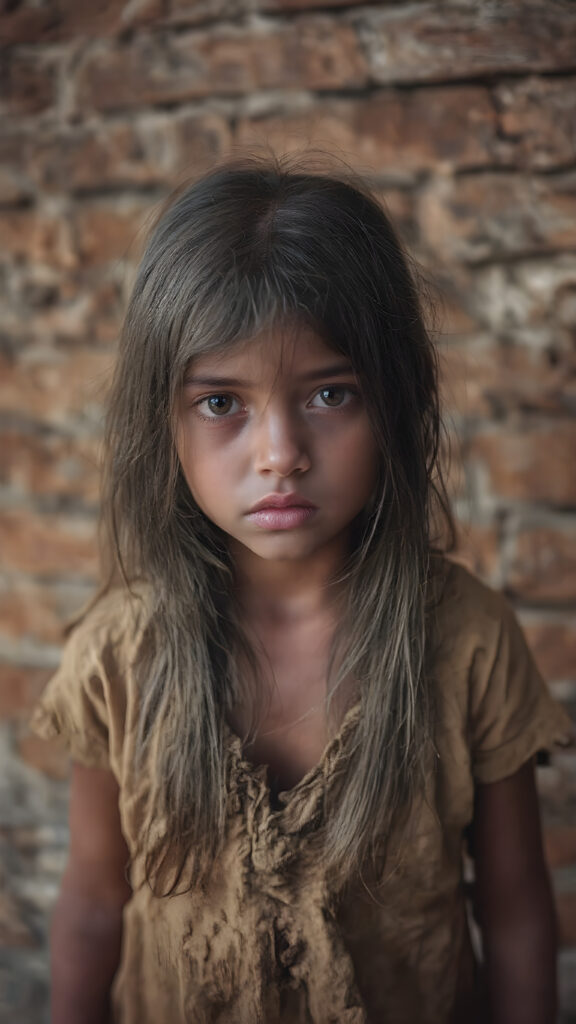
(289, 550)
(283, 553)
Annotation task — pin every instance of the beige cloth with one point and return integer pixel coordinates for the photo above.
(266, 941)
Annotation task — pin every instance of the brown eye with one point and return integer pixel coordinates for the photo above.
(333, 396)
(219, 405)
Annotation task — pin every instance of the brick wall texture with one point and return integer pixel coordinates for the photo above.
(463, 116)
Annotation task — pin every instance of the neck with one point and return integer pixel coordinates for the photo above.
(289, 592)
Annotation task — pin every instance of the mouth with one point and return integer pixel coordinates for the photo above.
(281, 501)
(282, 511)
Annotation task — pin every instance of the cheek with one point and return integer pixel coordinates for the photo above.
(360, 454)
(193, 453)
(210, 478)
(202, 478)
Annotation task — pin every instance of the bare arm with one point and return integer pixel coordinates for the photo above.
(87, 922)
(514, 902)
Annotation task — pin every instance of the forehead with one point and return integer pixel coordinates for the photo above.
(276, 350)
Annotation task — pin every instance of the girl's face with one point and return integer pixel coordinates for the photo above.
(276, 446)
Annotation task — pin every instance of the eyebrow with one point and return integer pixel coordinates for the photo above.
(336, 370)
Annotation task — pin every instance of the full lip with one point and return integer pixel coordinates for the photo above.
(291, 500)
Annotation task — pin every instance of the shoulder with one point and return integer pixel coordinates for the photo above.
(494, 709)
(464, 594)
(92, 697)
(114, 621)
(476, 644)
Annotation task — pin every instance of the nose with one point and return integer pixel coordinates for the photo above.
(280, 446)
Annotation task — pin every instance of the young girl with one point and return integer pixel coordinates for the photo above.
(285, 708)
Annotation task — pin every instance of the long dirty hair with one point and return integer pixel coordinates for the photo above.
(252, 244)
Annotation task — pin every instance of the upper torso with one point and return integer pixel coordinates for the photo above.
(267, 940)
(293, 731)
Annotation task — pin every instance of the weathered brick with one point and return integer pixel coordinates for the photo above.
(14, 931)
(37, 236)
(557, 794)
(399, 205)
(48, 545)
(481, 378)
(33, 287)
(478, 549)
(110, 231)
(536, 119)
(534, 293)
(553, 644)
(533, 463)
(490, 216)
(452, 314)
(182, 12)
(311, 52)
(28, 82)
(71, 311)
(14, 186)
(566, 984)
(149, 151)
(301, 5)
(542, 564)
(56, 387)
(100, 308)
(199, 141)
(69, 19)
(390, 131)
(25, 25)
(97, 157)
(15, 183)
(38, 612)
(424, 42)
(20, 687)
(49, 465)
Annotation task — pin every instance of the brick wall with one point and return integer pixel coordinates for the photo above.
(463, 115)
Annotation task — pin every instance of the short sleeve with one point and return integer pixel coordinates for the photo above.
(512, 714)
(85, 702)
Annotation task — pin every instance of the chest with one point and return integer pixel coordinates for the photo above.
(290, 749)
(293, 733)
